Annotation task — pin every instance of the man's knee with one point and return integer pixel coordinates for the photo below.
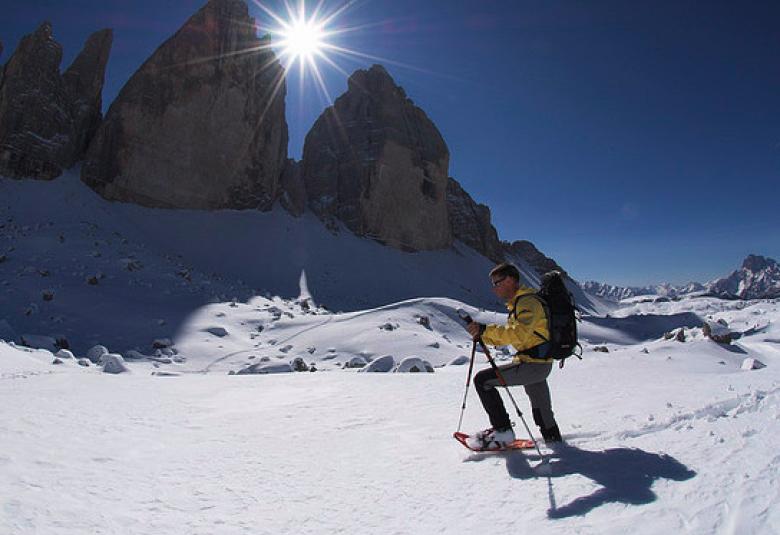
(481, 380)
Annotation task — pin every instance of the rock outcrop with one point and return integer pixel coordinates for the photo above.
(378, 164)
(46, 118)
(528, 252)
(201, 124)
(84, 85)
(470, 222)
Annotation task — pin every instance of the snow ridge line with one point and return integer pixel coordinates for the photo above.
(723, 409)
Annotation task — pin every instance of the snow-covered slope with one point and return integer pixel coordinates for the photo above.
(75, 267)
(662, 435)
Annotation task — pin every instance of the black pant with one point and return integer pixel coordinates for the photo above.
(531, 375)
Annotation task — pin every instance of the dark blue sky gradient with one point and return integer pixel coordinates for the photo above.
(634, 142)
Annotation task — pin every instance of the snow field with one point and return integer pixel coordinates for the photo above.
(655, 446)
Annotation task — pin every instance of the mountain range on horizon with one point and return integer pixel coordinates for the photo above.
(757, 278)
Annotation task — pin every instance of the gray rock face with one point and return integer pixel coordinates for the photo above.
(376, 162)
(528, 252)
(201, 124)
(293, 197)
(470, 222)
(84, 85)
(46, 119)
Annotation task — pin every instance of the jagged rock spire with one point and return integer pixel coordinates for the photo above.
(201, 124)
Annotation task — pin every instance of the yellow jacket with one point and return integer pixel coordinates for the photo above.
(526, 327)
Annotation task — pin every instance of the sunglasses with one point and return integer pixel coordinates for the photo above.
(498, 281)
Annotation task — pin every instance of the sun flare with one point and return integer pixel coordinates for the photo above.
(302, 40)
(309, 39)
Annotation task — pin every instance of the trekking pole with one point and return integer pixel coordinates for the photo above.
(465, 317)
(468, 381)
(511, 397)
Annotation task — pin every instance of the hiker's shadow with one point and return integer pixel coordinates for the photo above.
(626, 475)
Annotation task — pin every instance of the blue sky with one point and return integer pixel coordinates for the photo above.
(634, 142)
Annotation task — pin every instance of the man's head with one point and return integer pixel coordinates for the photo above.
(505, 279)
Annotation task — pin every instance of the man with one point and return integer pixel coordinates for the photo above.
(527, 331)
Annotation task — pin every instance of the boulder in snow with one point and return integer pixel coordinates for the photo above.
(95, 353)
(752, 364)
(83, 362)
(717, 332)
(601, 349)
(262, 368)
(56, 361)
(413, 365)
(356, 362)
(460, 360)
(113, 363)
(216, 331)
(381, 364)
(64, 354)
(299, 365)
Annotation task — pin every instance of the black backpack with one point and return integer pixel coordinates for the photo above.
(559, 306)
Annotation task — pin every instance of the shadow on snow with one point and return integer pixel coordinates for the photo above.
(625, 475)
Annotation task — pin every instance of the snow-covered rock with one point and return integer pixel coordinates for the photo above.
(216, 331)
(460, 360)
(262, 368)
(64, 354)
(381, 364)
(355, 362)
(413, 365)
(95, 353)
(717, 331)
(84, 362)
(752, 364)
(113, 363)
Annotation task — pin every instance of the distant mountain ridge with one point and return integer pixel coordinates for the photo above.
(757, 278)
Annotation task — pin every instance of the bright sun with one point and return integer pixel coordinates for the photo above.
(307, 39)
(300, 37)
(302, 40)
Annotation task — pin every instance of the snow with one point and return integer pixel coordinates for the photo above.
(679, 439)
(214, 430)
(113, 363)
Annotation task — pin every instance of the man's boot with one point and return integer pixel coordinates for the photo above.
(549, 434)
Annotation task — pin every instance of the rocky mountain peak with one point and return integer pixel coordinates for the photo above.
(378, 164)
(201, 124)
(46, 119)
(757, 263)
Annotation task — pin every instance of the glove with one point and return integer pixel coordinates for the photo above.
(476, 329)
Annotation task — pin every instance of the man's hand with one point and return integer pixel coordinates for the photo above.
(475, 329)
